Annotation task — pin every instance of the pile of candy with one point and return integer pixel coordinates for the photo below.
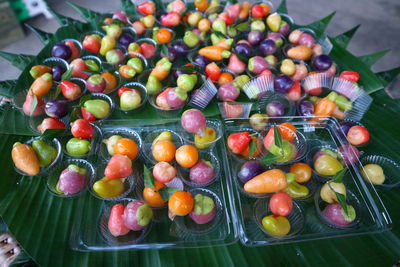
(184, 54)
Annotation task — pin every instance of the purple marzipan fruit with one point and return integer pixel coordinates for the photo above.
(336, 215)
(255, 37)
(137, 215)
(275, 109)
(243, 49)
(176, 98)
(202, 172)
(228, 92)
(283, 83)
(57, 72)
(249, 170)
(96, 83)
(257, 64)
(72, 180)
(125, 39)
(306, 108)
(56, 108)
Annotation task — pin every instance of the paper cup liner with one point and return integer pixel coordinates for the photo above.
(202, 96)
(316, 80)
(390, 168)
(166, 113)
(129, 30)
(55, 172)
(44, 170)
(296, 218)
(152, 42)
(128, 182)
(187, 227)
(235, 110)
(227, 70)
(184, 173)
(97, 136)
(124, 133)
(105, 98)
(77, 43)
(351, 199)
(56, 61)
(138, 55)
(346, 88)
(360, 106)
(259, 87)
(97, 60)
(131, 238)
(143, 95)
(289, 108)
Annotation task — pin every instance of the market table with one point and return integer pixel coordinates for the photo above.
(42, 222)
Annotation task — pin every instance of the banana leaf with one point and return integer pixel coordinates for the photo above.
(43, 36)
(20, 61)
(42, 222)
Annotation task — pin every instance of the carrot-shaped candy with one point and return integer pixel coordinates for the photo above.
(39, 70)
(324, 106)
(244, 10)
(42, 85)
(162, 69)
(214, 52)
(269, 182)
(225, 43)
(25, 159)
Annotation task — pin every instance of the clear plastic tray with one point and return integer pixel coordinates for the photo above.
(90, 231)
(373, 217)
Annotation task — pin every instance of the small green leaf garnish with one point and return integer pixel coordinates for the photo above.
(269, 159)
(278, 137)
(278, 140)
(166, 192)
(73, 116)
(89, 72)
(219, 34)
(148, 177)
(189, 69)
(252, 147)
(50, 134)
(338, 178)
(242, 26)
(33, 104)
(341, 199)
(67, 75)
(57, 92)
(164, 49)
(242, 58)
(117, 22)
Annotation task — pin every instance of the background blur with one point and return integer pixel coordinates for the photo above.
(379, 19)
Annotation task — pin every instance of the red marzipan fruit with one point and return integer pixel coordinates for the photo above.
(119, 166)
(81, 128)
(116, 224)
(238, 142)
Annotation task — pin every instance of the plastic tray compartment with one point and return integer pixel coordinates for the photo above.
(88, 233)
(372, 213)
